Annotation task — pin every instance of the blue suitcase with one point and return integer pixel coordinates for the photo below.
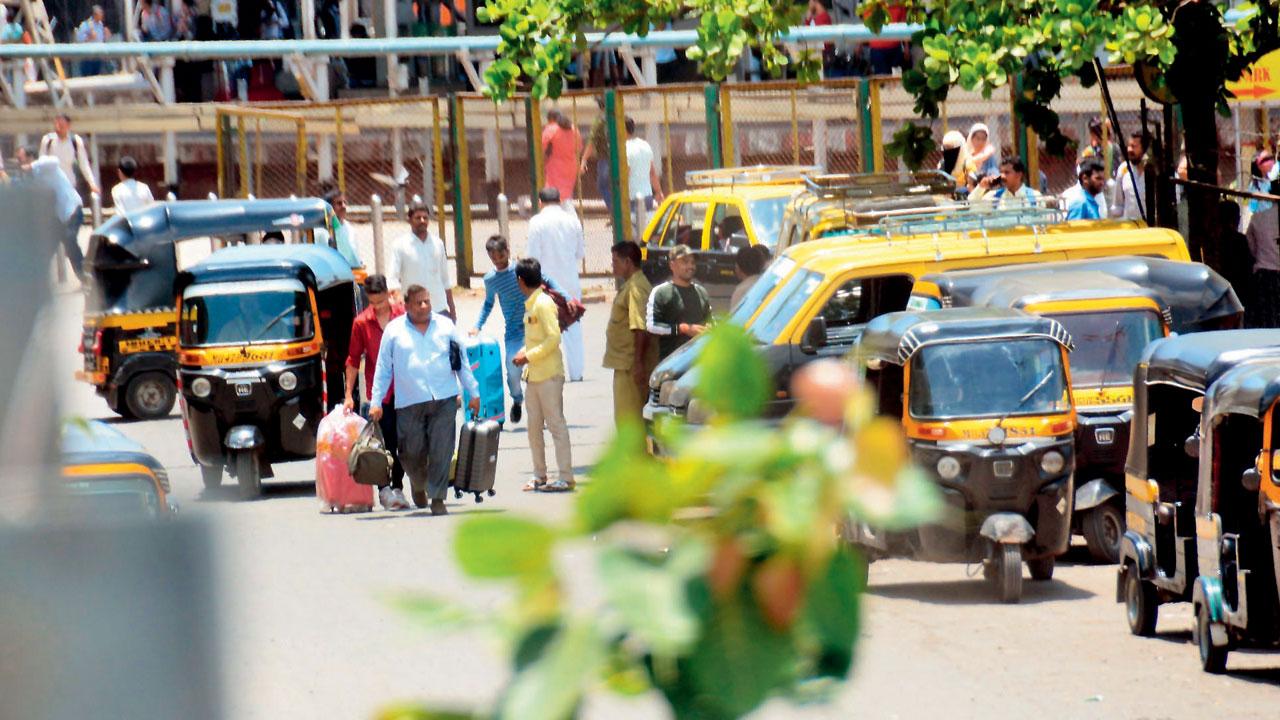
(485, 357)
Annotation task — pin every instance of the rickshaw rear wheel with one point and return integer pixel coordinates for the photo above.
(1103, 527)
(1008, 559)
(248, 475)
(212, 476)
(1141, 606)
(1212, 659)
(1042, 568)
(150, 396)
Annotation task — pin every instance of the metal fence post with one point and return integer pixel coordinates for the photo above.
(616, 133)
(375, 220)
(504, 216)
(302, 158)
(711, 100)
(338, 142)
(533, 129)
(869, 116)
(437, 164)
(95, 205)
(461, 191)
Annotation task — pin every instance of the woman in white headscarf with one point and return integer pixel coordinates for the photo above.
(981, 158)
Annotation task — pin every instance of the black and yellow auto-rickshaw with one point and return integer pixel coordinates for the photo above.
(1159, 559)
(1237, 596)
(984, 399)
(128, 336)
(105, 475)
(1112, 307)
(263, 333)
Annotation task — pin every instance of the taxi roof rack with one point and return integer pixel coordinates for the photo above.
(751, 175)
(961, 217)
(864, 185)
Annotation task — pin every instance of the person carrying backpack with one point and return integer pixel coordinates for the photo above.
(69, 150)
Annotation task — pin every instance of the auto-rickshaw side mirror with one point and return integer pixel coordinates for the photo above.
(1191, 446)
(1251, 479)
(815, 336)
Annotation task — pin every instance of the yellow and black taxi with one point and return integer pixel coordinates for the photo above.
(722, 211)
(813, 300)
(1113, 307)
(128, 335)
(1236, 598)
(106, 475)
(1173, 446)
(263, 332)
(984, 398)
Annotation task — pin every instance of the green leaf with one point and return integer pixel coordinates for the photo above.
(433, 613)
(626, 483)
(732, 377)
(551, 687)
(503, 547)
(832, 609)
(416, 712)
(648, 596)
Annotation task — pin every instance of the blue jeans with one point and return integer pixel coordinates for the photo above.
(603, 184)
(512, 346)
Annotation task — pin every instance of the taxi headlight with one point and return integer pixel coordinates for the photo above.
(698, 413)
(1052, 462)
(288, 381)
(948, 467)
(201, 387)
(664, 392)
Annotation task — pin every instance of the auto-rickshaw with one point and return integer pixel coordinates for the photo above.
(1237, 596)
(1159, 560)
(263, 333)
(984, 399)
(1111, 319)
(107, 475)
(128, 336)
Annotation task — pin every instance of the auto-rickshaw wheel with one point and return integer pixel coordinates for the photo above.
(212, 476)
(1008, 575)
(1103, 527)
(1041, 568)
(1212, 659)
(150, 396)
(248, 475)
(1141, 605)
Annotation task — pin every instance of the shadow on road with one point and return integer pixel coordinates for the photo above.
(1261, 676)
(228, 491)
(114, 419)
(975, 591)
(454, 509)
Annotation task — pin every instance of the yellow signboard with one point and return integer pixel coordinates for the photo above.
(1260, 81)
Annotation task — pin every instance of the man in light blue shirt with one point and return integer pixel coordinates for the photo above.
(1081, 199)
(422, 353)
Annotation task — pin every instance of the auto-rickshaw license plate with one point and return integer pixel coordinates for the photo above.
(243, 389)
(1003, 468)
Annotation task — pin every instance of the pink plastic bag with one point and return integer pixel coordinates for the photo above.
(337, 490)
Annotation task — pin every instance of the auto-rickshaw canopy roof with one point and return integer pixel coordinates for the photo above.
(1196, 361)
(895, 337)
(1250, 389)
(1193, 293)
(316, 265)
(97, 443)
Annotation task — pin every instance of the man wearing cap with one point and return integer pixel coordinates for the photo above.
(679, 309)
(366, 338)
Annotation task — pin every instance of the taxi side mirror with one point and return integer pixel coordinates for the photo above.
(1251, 479)
(815, 336)
(1191, 446)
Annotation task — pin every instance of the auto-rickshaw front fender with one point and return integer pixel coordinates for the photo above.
(1208, 593)
(1135, 548)
(244, 437)
(1007, 528)
(1094, 493)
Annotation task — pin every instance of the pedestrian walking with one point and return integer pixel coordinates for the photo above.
(129, 194)
(544, 380)
(68, 208)
(598, 149)
(366, 341)
(679, 309)
(154, 21)
(748, 263)
(629, 351)
(68, 148)
(643, 182)
(421, 357)
(1237, 256)
(418, 258)
(1081, 200)
(562, 144)
(1126, 199)
(340, 239)
(500, 285)
(93, 29)
(556, 242)
(1262, 308)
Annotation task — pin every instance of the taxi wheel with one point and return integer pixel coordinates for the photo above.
(1008, 559)
(1212, 659)
(1140, 603)
(1103, 527)
(150, 396)
(248, 475)
(212, 476)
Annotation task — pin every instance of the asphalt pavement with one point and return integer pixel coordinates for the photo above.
(308, 628)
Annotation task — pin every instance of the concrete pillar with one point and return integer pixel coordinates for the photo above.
(171, 158)
(391, 31)
(166, 80)
(820, 143)
(491, 166)
(344, 19)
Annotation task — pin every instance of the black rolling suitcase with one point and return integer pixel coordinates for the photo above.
(477, 462)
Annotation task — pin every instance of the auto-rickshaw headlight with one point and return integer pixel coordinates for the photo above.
(948, 467)
(1052, 462)
(288, 381)
(201, 387)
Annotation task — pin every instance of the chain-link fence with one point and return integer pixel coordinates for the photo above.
(261, 153)
(792, 124)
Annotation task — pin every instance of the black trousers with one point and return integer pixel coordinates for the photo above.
(389, 436)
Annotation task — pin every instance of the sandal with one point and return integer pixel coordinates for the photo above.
(535, 484)
(557, 485)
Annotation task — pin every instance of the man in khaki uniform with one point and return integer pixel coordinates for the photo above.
(629, 351)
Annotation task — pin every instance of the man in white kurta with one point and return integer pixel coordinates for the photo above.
(556, 241)
(418, 258)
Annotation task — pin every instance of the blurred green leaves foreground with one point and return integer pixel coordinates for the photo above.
(717, 575)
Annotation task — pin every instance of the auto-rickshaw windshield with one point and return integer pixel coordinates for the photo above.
(242, 313)
(988, 379)
(1108, 345)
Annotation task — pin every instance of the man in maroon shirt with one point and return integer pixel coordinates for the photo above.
(366, 338)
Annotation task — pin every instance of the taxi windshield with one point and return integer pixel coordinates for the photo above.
(784, 305)
(988, 379)
(245, 313)
(1108, 345)
(769, 280)
(766, 218)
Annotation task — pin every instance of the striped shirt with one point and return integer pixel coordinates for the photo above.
(501, 284)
